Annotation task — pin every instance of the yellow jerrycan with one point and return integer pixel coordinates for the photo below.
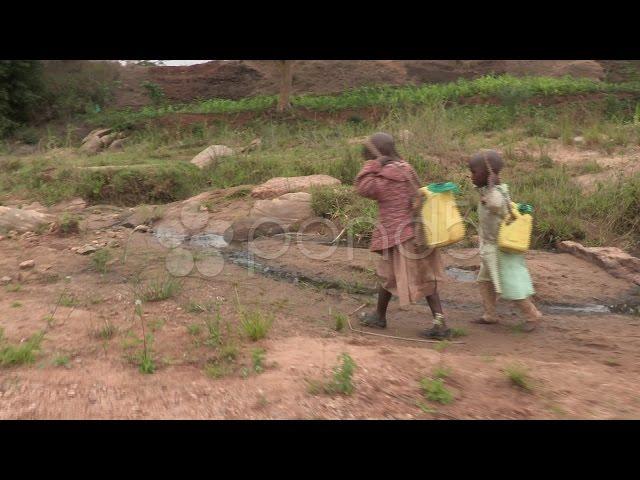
(515, 231)
(441, 218)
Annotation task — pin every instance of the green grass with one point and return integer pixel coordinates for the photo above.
(458, 332)
(16, 305)
(100, 260)
(61, 361)
(519, 377)
(217, 369)
(340, 320)
(68, 224)
(441, 372)
(106, 332)
(435, 391)
(161, 289)
(22, 353)
(508, 89)
(257, 358)
(13, 287)
(341, 381)
(67, 300)
(194, 329)
(255, 323)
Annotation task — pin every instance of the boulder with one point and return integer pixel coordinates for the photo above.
(27, 264)
(91, 146)
(615, 261)
(86, 249)
(287, 210)
(255, 143)
(97, 133)
(281, 185)
(210, 154)
(106, 140)
(251, 227)
(117, 144)
(20, 221)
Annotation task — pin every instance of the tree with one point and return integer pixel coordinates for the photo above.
(21, 89)
(286, 80)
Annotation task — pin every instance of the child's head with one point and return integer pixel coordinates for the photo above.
(478, 163)
(379, 145)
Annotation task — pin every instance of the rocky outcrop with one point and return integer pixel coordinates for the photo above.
(615, 261)
(101, 139)
(21, 220)
(281, 185)
(288, 209)
(210, 154)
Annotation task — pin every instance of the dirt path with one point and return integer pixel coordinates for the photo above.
(580, 365)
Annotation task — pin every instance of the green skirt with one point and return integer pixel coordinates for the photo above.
(507, 271)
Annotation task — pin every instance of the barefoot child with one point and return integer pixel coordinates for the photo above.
(501, 273)
(406, 268)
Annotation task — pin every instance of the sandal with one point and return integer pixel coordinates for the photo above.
(372, 320)
(437, 332)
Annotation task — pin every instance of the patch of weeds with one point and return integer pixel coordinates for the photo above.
(441, 372)
(146, 363)
(161, 289)
(557, 410)
(242, 192)
(194, 329)
(229, 352)
(61, 361)
(67, 300)
(340, 321)
(341, 382)
(214, 335)
(16, 305)
(96, 300)
(458, 332)
(434, 390)
(106, 332)
(425, 408)
(156, 325)
(194, 307)
(22, 353)
(612, 362)
(217, 369)
(257, 357)
(519, 377)
(68, 224)
(100, 260)
(255, 323)
(13, 287)
(442, 345)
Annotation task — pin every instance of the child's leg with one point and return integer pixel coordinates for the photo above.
(530, 313)
(379, 317)
(489, 300)
(439, 329)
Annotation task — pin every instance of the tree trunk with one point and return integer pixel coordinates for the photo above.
(286, 80)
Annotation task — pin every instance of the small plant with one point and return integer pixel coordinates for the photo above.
(214, 336)
(441, 372)
(16, 305)
(156, 325)
(147, 364)
(68, 224)
(342, 381)
(100, 260)
(13, 287)
(194, 329)
(340, 321)
(106, 332)
(425, 408)
(161, 289)
(22, 353)
(61, 361)
(216, 369)
(519, 377)
(442, 345)
(67, 300)
(458, 332)
(194, 307)
(612, 362)
(255, 323)
(154, 92)
(229, 352)
(434, 390)
(257, 356)
(50, 320)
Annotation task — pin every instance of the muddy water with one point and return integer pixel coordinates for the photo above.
(244, 258)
